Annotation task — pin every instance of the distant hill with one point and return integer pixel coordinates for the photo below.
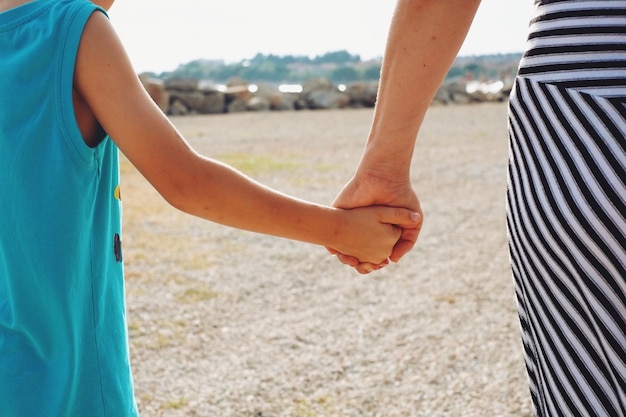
(486, 67)
(337, 66)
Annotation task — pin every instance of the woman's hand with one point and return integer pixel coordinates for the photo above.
(371, 189)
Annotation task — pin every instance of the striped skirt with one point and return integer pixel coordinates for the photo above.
(566, 206)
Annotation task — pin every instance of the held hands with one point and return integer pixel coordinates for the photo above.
(366, 190)
(370, 233)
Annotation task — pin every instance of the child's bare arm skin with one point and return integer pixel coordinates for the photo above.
(109, 88)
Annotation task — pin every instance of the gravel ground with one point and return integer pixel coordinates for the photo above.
(229, 323)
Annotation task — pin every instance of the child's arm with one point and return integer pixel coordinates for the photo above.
(203, 187)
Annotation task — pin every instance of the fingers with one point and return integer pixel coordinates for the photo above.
(405, 243)
(366, 267)
(348, 260)
(400, 249)
(404, 218)
(402, 209)
(361, 267)
(344, 259)
(409, 223)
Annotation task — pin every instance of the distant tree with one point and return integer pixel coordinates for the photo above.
(344, 74)
(372, 73)
(265, 71)
(337, 57)
(226, 72)
(455, 72)
(339, 66)
(150, 74)
(285, 60)
(475, 69)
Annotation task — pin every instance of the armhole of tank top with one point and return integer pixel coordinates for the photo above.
(83, 153)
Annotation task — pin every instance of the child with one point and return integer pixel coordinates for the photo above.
(65, 80)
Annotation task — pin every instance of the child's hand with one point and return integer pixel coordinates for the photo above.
(369, 234)
(367, 189)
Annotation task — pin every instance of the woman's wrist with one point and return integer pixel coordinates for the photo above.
(377, 166)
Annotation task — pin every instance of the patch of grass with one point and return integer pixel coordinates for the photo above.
(174, 404)
(450, 299)
(133, 326)
(303, 409)
(146, 397)
(196, 295)
(321, 406)
(196, 260)
(257, 164)
(162, 341)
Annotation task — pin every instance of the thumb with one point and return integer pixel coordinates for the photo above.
(405, 218)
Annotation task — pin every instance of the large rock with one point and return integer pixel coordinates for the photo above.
(181, 84)
(275, 99)
(156, 90)
(324, 99)
(463, 91)
(283, 102)
(455, 91)
(191, 99)
(441, 96)
(238, 89)
(177, 108)
(482, 91)
(237, 106)
(189, 96)
(320, 93)
(363, 93)
(212, 103)
(257, 103)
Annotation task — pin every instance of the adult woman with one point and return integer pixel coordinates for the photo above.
(566, 200)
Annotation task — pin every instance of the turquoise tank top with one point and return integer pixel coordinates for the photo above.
(63, 338)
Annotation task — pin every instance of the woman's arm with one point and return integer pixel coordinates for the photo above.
(424, 39)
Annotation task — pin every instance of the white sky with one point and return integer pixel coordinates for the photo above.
(161, 35)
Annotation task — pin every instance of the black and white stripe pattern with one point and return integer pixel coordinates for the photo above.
(567, 206)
